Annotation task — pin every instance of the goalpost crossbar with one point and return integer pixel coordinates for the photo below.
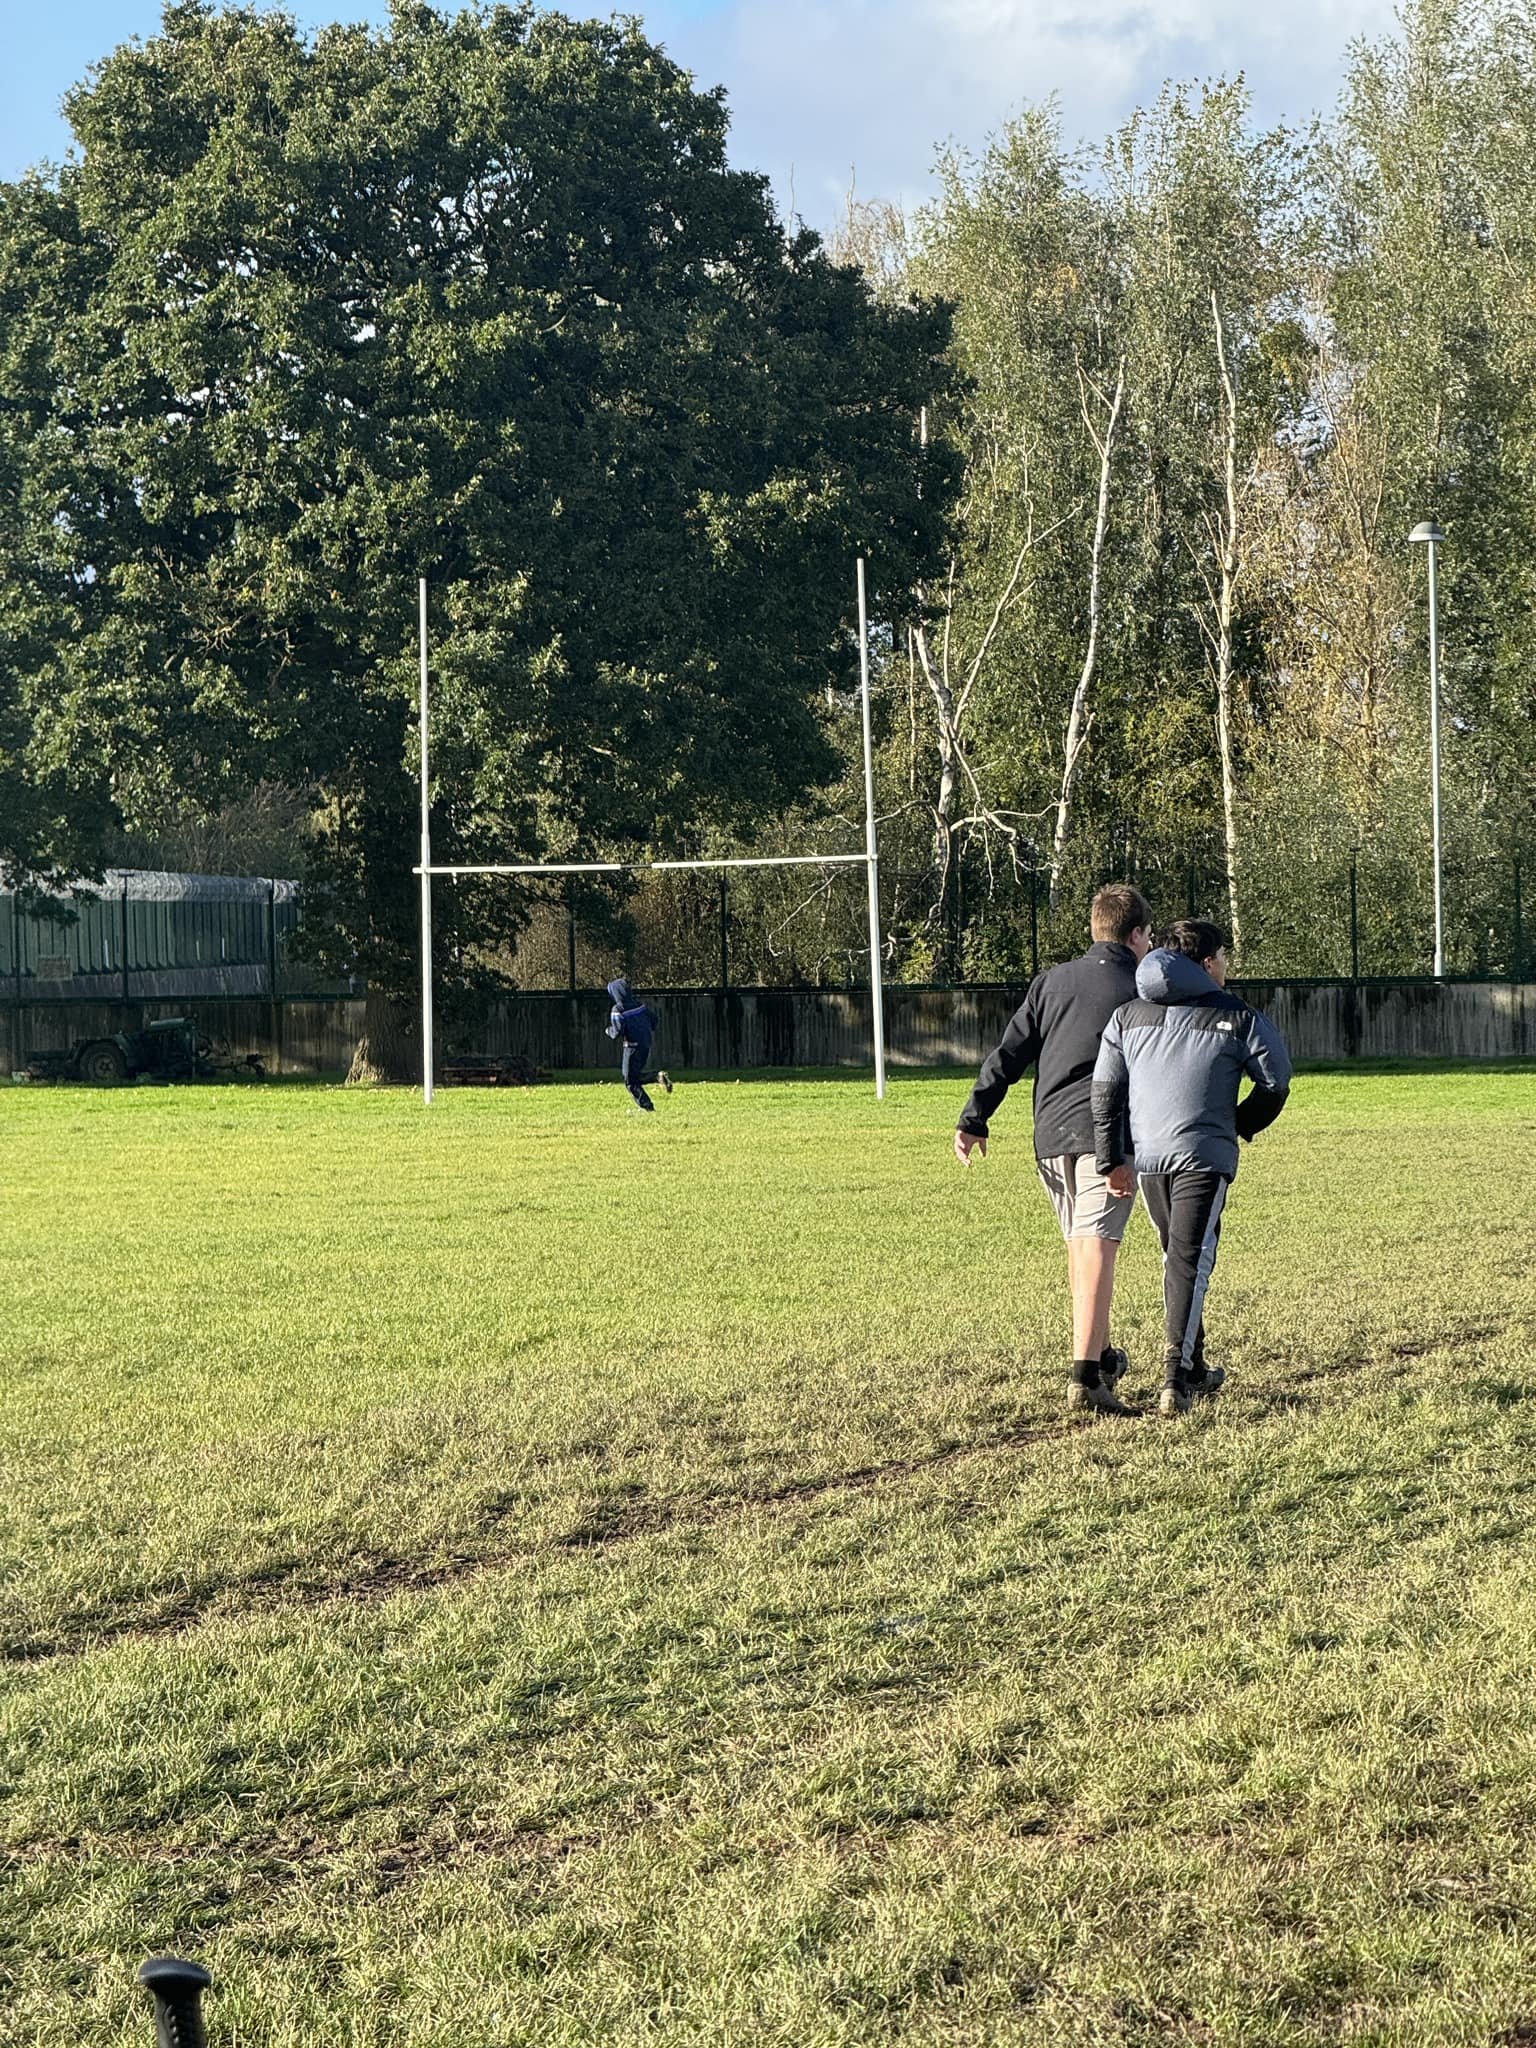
(650, 867)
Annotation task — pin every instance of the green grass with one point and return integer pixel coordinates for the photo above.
(530, 1574)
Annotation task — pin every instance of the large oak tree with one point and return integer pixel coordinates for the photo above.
(476, 297)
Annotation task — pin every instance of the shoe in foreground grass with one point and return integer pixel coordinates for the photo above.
(1177, 1398)
(1097, 1400)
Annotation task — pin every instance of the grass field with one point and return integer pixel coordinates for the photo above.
(532, 1574)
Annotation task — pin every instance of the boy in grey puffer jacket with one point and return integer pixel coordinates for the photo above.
(1178, 1055)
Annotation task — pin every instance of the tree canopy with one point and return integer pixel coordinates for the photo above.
(476, 297)
(1133, 436)
(1212, 378)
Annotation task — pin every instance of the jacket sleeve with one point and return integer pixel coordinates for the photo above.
(1019, 1050)
(1268, 1066)
(614, 1026)
(1111, 1092)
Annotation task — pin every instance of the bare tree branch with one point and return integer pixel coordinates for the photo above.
(1078, 721)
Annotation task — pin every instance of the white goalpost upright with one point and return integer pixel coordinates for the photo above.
(871, 852)
(869, 859)
(425, 871)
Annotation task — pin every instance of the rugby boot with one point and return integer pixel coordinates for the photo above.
(1114, 1364)
(1099, 1399)
(1181, 1394)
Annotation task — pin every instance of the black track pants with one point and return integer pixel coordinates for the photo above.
(1185, 1207)
(635, 1076)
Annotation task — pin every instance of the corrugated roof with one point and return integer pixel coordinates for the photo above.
(155, 885)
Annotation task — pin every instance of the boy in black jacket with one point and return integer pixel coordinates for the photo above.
(1056, 1031)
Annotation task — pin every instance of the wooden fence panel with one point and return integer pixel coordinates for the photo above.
(741, 1030)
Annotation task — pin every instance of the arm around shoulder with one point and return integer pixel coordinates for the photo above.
(1268, 1066)
(1111, 1089)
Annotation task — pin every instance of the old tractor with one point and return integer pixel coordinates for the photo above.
(170, 1049)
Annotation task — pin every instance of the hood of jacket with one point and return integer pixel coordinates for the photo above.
(1169, 977)
(623, 995)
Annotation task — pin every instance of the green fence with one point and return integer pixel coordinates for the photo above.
(141, 936)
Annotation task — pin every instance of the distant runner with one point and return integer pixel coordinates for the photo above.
(634, 1024)
(1177, 1056)
(1056, 1031)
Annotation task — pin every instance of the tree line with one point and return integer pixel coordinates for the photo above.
(1132, 437)
(1211, 379)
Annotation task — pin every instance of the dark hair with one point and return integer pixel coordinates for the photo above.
(1117, 911)
(1194, 937)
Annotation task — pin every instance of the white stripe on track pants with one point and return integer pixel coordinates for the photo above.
(1185, 1207)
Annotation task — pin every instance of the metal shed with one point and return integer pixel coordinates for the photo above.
(141, 934)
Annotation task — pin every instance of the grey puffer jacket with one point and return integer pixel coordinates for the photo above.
(1178, 1055)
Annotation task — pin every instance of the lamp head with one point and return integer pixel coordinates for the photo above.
(1426, 530)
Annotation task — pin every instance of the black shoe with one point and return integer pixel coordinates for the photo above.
(1097, 1400)
(1180, 1395)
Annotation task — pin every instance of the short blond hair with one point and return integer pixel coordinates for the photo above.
(1118, 910)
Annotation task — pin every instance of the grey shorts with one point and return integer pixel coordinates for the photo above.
(1082, 1200)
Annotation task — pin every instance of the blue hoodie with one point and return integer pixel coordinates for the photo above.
(629, 1020)
(1178, 1055)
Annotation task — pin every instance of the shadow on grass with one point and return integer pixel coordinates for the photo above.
(629, 1516)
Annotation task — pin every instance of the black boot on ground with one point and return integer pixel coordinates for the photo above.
(1091, 1391)
(1181, 1394)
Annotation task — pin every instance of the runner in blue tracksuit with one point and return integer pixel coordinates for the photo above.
(1178, 1056)
(634, 1023)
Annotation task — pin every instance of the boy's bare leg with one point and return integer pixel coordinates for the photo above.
(1091, 1265)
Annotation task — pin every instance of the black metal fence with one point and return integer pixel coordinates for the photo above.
(741, 1030)
(1349, 918)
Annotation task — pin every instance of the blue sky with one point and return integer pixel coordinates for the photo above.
(821, 93)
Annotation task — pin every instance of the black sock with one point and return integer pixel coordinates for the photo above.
(1085, 1372)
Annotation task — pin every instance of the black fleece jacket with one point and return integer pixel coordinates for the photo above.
(1056, 1030)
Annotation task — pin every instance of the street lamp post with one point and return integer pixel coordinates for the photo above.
(1429, 535)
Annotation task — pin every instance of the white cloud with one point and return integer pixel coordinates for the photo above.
(876, 85)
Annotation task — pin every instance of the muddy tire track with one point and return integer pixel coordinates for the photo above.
(629, 1517)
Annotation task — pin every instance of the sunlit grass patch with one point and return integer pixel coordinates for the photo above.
(526, 1573)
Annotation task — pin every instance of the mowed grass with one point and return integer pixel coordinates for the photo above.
(526, 1573)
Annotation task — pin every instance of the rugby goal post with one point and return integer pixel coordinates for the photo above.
(869, 860)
